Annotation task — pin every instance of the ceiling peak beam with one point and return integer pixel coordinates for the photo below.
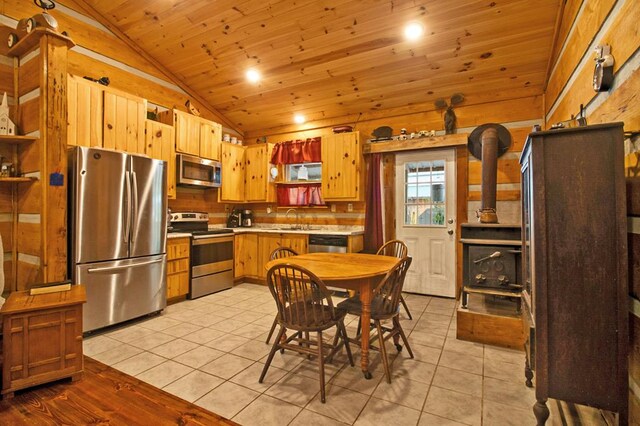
(95, 14)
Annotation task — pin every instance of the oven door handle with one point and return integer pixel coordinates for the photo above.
(207, 239)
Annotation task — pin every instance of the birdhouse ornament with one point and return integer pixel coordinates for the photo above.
(6, 125)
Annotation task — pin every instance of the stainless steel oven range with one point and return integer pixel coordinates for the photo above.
(211, 253)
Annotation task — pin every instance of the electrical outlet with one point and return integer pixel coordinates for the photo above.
(333, 208)
(349, 207)
(226, 208)
(269, 209)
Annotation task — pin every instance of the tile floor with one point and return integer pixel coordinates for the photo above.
(210, 351)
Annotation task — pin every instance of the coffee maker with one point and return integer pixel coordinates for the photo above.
(235, 219)
(247, 218)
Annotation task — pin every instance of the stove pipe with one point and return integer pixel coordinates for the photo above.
(489, 141)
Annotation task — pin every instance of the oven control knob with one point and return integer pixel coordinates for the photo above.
(480, 278)
(503, 280)
(174, 217)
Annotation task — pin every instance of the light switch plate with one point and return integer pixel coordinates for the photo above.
(349, 207)
(333, 208)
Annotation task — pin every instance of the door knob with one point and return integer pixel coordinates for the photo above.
(450, 231)
(450, 221)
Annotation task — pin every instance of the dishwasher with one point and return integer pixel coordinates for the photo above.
(328, 243)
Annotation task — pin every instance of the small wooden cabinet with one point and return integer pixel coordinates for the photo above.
(178, 267)
(574, 265)
(233, 176)
(42, 338)
(197, 136)
(245, 255)
(342, 175)
(160, 145)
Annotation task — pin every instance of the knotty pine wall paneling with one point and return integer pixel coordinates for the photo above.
(586, 24)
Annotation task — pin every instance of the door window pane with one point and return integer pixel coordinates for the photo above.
(424, 200)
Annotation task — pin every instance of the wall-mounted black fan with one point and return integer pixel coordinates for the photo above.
(45, 4)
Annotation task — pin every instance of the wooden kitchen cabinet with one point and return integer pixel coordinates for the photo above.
(342, 176)
(124, 122)
(258, 182)
(84, 103)
(246, 255)
(187, 133)
(159, 145)
(233, 176)
(574, 263)
(197, 136)
(210, 139)
(177, 267)
(42, 338)
(271, 241)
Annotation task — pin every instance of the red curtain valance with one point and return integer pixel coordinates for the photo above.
(308, 194)
(298, 151)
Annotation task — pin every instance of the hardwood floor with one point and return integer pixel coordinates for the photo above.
(103, 396)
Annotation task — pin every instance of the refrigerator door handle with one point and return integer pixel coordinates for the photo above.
(127, 219)
(123, 267)
(134, 180)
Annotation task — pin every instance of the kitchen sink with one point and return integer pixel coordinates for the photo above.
(298, 228)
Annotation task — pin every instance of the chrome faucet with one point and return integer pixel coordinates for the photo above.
(286, 215)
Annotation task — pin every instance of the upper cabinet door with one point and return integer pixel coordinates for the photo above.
(341, 167)
(187, 133)
(124, 118)
(233, 165)
(256, 172)
(210, 139)
(85, 112)
(160, 145)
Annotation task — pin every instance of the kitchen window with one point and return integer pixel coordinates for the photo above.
(308, 172)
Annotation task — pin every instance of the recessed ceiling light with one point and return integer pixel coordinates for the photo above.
(413, 30)
(253, 76)
(299, 118)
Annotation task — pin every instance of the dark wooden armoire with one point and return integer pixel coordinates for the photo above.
(574, 260)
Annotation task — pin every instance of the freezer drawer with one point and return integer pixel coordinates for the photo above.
(120, 290)
(212, 283)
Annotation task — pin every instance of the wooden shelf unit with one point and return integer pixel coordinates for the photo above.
(16, 140)
(17, 179)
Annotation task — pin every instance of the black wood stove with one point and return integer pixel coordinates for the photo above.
(491, 260)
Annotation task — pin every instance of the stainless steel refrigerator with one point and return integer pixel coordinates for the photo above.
(118, 225)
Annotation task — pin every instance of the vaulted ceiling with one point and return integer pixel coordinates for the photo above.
(339, 58)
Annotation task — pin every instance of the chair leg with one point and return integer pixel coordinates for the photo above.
(343, 331)
(396, 323)
(406, 308)
(274, 348)
(321, 367)
(336, 338)
(359, 329)
(273, 328)
(383, 351)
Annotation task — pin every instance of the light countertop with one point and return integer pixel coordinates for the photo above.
(171, 235)
(315, 230)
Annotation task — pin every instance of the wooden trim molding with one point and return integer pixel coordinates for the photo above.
(443, 141)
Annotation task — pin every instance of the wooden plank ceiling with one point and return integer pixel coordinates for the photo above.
(339, 58)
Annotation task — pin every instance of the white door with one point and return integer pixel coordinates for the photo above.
(426, 219)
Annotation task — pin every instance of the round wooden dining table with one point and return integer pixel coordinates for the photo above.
(350, 271)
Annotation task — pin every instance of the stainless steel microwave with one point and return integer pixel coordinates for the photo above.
(198, 172)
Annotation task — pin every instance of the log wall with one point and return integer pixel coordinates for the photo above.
(586, 24)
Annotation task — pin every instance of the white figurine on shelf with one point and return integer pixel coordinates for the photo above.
(6, 125)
